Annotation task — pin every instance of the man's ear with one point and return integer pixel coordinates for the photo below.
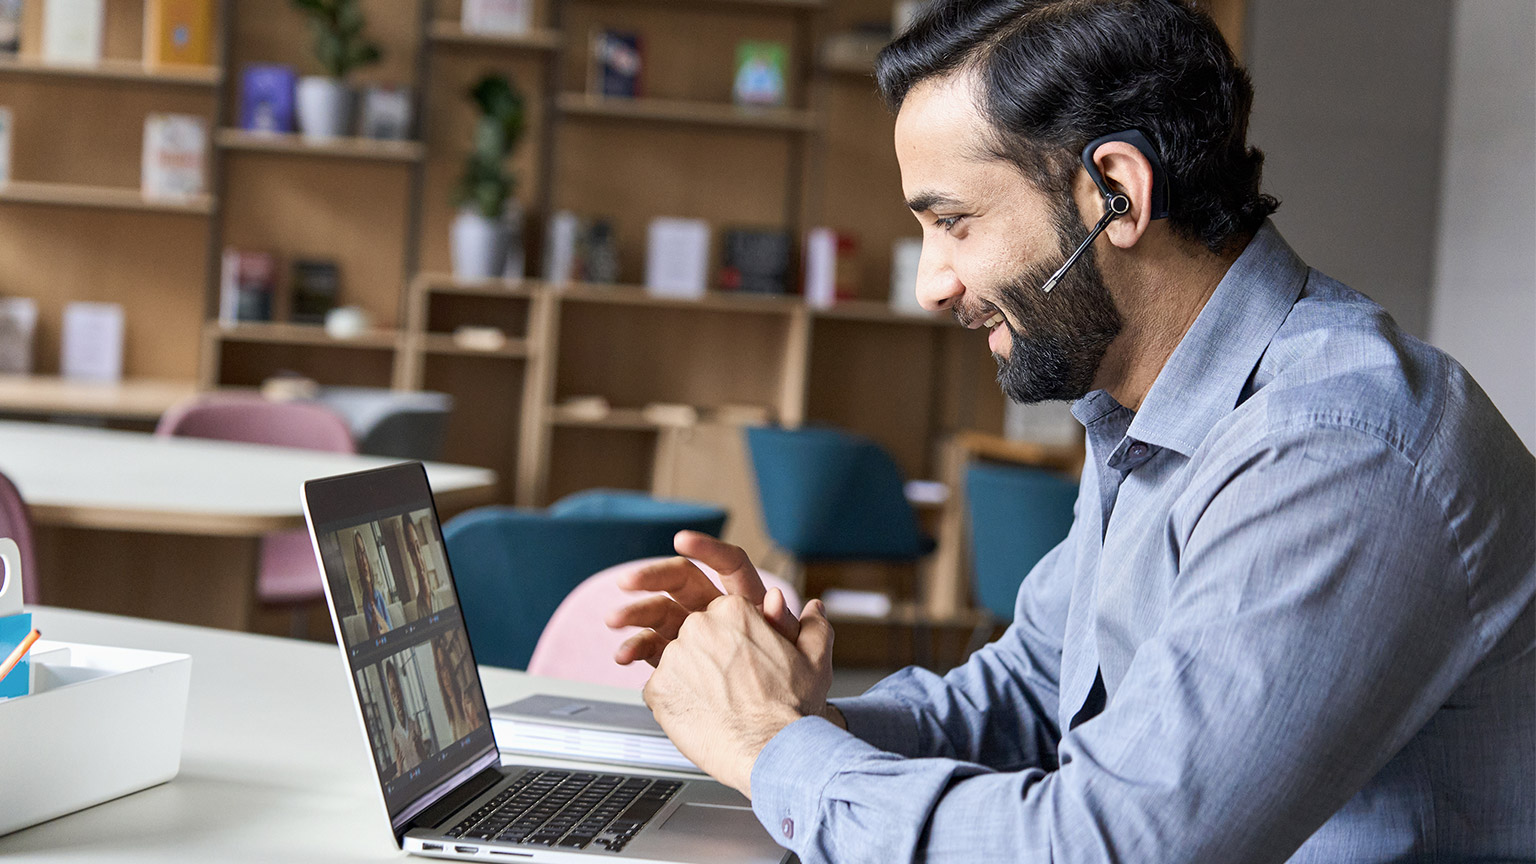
(1127, 171)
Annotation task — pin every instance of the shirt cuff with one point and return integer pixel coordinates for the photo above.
(791, 773)
(883, 721)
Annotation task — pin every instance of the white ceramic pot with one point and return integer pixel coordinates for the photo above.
(325, 106)
(479, 246)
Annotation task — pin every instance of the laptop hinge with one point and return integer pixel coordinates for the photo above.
(438, 813)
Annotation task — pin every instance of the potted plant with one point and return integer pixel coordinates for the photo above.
(485, 224)
(325, 101)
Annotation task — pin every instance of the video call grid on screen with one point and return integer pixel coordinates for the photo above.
(420, 694)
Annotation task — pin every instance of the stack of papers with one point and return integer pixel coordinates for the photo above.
(590, 730)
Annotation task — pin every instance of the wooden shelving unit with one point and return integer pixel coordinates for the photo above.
(103, 197)
(441, 343)
(681, 111)
(344, 148)
(130, 71)
(541, 39)
(383, 210)
(267, 333)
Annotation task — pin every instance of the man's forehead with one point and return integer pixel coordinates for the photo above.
(941, 136)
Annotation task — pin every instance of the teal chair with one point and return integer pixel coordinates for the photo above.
(513, 566)
(1017, 515)
(831, 495)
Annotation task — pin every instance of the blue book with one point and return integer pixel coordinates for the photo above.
(616, 63)
(266, 98)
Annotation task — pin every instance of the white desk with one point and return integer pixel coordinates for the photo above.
(274, 766)
(169, 527)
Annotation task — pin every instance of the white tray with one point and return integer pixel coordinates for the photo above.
(103, 724)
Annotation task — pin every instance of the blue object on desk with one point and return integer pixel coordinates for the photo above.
(13, 629)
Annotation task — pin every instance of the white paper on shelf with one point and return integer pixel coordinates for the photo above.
(92, 348)
(821, 267)
(588, 745)
(72, 30)
(677, 259)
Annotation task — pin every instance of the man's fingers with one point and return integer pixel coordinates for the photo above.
(676, 576)
(815, 640)
(657, 612)
(776, 610)
(736, 571)
(646, 645)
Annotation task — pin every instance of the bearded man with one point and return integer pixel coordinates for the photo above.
(1293, 619)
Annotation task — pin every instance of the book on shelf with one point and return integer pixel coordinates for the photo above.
(580, 249)
(266, 97)
(587, 729)
(316, 286)
(756, 261)
(618, 59)
(175, 153)
(10, 26)
(831, 267)
(761, 69)
(178, 32)
(677, 258)
(496, 17)
(72, 31)
(18, 324)
(386, 112)
(247, 283)
(91, 343)
(5, 145)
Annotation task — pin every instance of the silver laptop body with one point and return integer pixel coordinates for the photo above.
(424, 716)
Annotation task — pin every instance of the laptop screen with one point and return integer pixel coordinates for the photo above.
(402, 632)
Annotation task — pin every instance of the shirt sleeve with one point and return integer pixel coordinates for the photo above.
(999, 706)
(1319, 617)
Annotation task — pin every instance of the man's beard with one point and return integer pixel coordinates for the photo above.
(1065, 333)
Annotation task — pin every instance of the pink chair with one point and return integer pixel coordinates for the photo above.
(578, 646)
(289, 575)
(16, 523)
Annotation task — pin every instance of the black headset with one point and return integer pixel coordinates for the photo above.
(1116, 204)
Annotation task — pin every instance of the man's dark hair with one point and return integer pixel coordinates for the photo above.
(1055, 74)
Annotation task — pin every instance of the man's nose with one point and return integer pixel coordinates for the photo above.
(937, 285)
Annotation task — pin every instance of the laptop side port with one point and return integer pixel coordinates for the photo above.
(467, 850)
(431, 847)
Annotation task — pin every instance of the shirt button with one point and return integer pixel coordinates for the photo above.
(1138, 450)
(787, 827)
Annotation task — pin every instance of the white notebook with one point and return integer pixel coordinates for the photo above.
(587, 729)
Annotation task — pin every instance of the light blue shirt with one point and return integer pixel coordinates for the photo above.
(1304, 569)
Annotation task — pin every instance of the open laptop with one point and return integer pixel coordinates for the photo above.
(424, 716)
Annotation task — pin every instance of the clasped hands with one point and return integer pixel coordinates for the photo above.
(733, 668)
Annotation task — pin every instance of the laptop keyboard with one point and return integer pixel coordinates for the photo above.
(570, 810)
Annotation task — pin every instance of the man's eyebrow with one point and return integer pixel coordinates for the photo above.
(922, 202)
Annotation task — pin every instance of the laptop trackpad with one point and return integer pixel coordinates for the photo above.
(713, 820)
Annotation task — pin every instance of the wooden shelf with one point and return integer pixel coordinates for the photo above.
(343, 148)
(537, 39)
(106, 197)
(443, 344)
(142, 399)
(681, 111)
(115, 70)
(445, 283)
(301, 334)
(632, 295)
(627, 419)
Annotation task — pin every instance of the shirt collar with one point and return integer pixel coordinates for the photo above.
(1203, 378)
